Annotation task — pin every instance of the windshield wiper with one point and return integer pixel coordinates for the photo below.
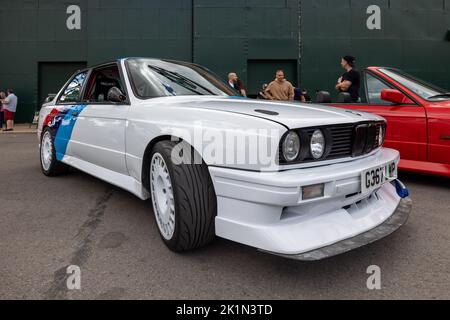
(176, 77)
(169, 75)
(442, 95)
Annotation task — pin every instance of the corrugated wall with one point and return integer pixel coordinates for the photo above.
(412, 37)
(238, 35)
(34, 31)
(227, 34)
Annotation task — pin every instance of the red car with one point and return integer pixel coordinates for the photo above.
(418, 116)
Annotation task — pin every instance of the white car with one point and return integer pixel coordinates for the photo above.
(297, 180)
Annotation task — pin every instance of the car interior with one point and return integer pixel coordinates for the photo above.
(370, 93)
(101, 82)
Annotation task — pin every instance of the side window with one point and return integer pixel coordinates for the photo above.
(374, 88)
(100, 82)
(72, 93)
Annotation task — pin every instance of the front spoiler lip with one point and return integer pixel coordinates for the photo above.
(398, 219)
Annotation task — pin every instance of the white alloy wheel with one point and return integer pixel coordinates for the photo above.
(162, 196)
(46, 151)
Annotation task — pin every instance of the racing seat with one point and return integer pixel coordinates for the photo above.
(323, 97)
(102, 87)
(344, 97)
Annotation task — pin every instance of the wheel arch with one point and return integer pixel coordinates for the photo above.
(145, 176)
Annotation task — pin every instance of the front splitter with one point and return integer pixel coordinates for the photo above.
(398, 219)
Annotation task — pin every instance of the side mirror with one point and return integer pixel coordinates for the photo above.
(50, 98)
(395, 96)
(115, 95)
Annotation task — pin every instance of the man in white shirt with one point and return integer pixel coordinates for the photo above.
(9, 109)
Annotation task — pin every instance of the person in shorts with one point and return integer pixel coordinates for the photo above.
(2, 96)
(9, 109)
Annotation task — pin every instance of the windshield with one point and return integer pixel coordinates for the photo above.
(153, 78)
(421, 88)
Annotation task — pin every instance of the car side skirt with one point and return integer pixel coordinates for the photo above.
(117, 179)
(439, 169)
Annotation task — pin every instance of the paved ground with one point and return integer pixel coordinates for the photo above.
(21, 128)
(47, 224)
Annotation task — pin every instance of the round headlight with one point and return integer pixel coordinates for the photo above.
(317, 144)
(291, 147)
(381, 136)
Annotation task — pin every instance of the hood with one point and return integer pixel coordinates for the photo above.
(291, 115)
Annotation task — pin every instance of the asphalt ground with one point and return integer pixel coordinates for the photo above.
(47, 224)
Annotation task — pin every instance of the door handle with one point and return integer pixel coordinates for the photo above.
(445, 137)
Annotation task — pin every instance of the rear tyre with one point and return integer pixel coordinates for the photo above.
(49, 164)
(183, 199)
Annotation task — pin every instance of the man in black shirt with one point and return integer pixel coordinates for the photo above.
(351, 80)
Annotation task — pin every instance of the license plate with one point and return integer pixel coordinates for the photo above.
(374, 178)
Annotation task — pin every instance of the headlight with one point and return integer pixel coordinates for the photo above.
(291, 147)
(381, 136)
(317, 144)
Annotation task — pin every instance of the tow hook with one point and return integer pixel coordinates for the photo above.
(402, 191)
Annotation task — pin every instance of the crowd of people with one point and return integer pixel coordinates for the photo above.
(281, 89)
(8, 107)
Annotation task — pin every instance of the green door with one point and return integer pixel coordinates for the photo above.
(53, 75)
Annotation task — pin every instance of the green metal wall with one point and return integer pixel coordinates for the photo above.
(413, 38)
(227, 34)
(33, 31)
(306, 36)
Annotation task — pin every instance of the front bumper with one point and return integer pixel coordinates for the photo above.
(398, 219)
(266, 210)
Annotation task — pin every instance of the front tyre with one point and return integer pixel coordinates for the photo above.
(183, 199)
(49, 164)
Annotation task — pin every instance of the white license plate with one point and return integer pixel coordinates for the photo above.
(374, 178)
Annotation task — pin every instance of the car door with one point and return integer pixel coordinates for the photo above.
(62, 120)
(439, 132)
(100, 138)
(407, 123)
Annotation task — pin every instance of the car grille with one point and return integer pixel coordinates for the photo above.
(343, 141)
(366, 138)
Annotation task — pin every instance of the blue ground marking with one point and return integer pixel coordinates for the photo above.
(65, 130)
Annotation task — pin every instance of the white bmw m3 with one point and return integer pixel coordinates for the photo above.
(301, 181)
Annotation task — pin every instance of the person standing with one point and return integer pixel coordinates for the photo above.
(240, 87)
(262, 93)
(351, 80)
(9, 109)
(235, 83)
(298, 95)
(306, 96)
(232, 79)
(280, 89)
(2, 96)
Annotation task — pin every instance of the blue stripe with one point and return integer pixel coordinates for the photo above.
(65, 130)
